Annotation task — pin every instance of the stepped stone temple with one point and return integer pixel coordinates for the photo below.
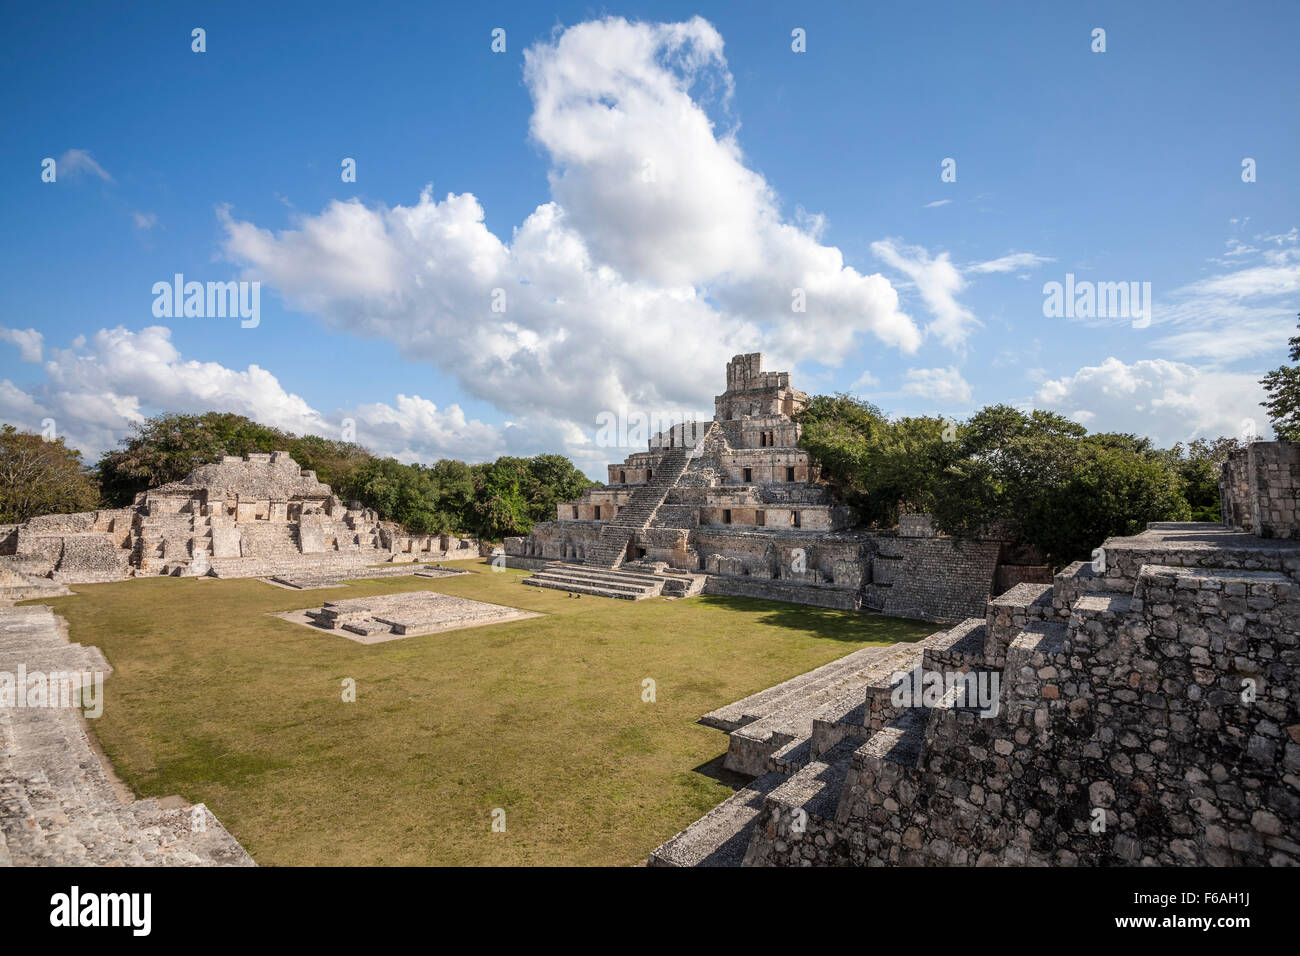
(239, 517)
(731, 506)
(1142, 709)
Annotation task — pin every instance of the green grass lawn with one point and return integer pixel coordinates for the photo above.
(215, 699)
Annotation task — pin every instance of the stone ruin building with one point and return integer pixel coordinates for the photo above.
(1143, 711)
(239, 517)
(732, 506)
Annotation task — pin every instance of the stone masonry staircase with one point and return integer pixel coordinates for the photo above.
(58, 805)
(582, 579)
(825, 737)
(611, 548)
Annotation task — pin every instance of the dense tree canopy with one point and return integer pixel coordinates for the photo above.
(1283, 388)
(39, 477)
(1036, 479)
(489, 500)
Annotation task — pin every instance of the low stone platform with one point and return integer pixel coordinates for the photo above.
(388, 617)
(59, 805)
(316, 580)
(601, 582)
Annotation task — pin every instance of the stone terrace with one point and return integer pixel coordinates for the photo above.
(58, 804)
(1156, 691)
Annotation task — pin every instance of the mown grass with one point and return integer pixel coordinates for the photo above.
(214, 698)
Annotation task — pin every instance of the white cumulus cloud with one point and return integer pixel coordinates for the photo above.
(659, 254)
(1163, 400)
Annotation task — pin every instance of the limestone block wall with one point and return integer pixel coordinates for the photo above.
(671, 545)
(91, 556)
(943, 579)
(1122, 740)
(596, 504)
(1275, 468)
(1259, 489)
(1234, 492)
(767, 466)
(811, 558)
(817, 596)
(555, 541)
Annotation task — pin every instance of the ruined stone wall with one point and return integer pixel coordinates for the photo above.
(790, 557)
(1234, 492)
(942, 579)
(1259, 489)
(767, 466)
(769, 590)
(236, 517)
(1275, 469)
(1161, 735)
(555, 541)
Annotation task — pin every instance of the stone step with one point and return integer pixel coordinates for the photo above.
(58, 803)
(560, 579)
(790, 757)
(1097, 613)
(1006, 615)
(843, 717)
(720, 837)
(901, 741)
(592, 589)
(751, 745)
(960, 647)
(768, 701)
(815, 788)
(622, 575)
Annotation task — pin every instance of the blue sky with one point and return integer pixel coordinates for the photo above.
(648, 190)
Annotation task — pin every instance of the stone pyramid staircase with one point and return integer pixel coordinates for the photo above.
(611, 548)
(58, 805)
(821, 744)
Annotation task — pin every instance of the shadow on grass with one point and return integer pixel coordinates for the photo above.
(714, 770)
(831, 623)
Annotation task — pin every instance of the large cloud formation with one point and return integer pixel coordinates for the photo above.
(659, 256)
(1166, 401)
(98, 386)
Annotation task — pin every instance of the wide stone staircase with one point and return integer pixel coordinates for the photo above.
(58, 805)
(582, 579)
(836, 762)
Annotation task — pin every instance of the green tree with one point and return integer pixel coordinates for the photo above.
(39, 477)
(168, 447)
(1198, 464)
(1037, 480)
(551, 480)
(1283, 388)
(333, 461)
(500, 506)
